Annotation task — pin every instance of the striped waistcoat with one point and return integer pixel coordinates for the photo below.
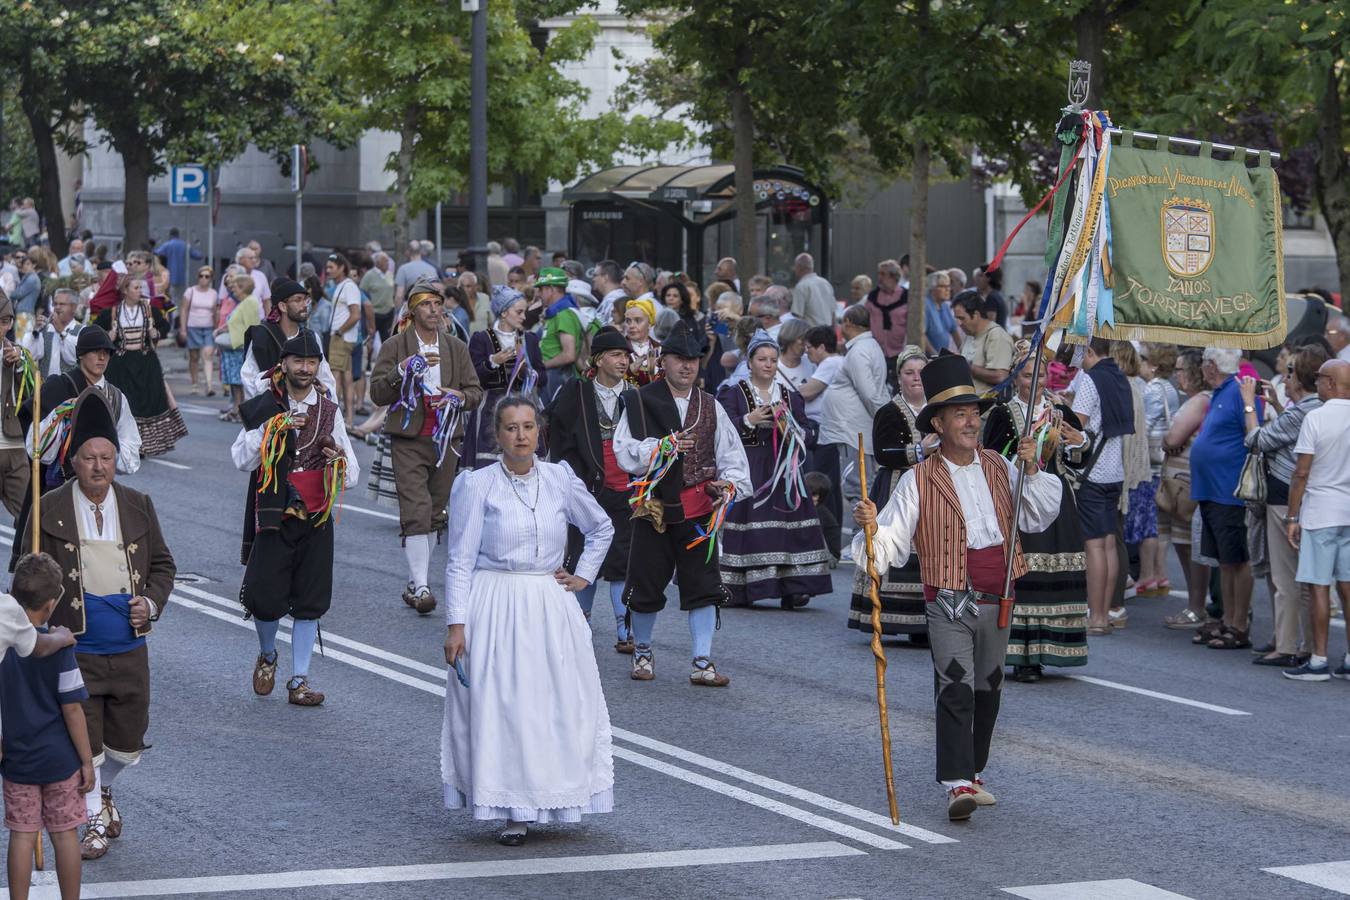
(940, 539)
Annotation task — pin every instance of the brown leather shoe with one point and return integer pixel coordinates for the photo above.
(625, 647)
(112, 819)
(410, 594)
(644, 668)
(94, 844)
(302, 694)
(707, 676)
(961, 802)
(424, 602)
(264, 675)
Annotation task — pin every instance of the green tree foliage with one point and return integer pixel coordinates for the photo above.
(18, 157)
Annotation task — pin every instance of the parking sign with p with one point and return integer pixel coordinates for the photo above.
(189, 185)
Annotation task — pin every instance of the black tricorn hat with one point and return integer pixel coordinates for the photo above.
(682, 342)
(305, 343)
(608, 338)
(92, 337)
(947, 382)
(91, 418)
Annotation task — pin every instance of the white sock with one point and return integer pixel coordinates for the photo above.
(1345, 660)
(93, 801)
(417, 548)
(952, 785)
(1316, 661)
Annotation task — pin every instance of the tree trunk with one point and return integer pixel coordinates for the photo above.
(407, 138)
(743, 156)
(1090, 26)
(136, 163)
(49, 174)
(1332, 182)
(918, 243)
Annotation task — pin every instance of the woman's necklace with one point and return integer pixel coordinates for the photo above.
(511, 479)
(764, 395)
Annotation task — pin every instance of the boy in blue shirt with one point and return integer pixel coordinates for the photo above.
(47, 764)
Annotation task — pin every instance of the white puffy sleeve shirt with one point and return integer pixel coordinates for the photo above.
(733, 465)
(894, 538)
(497, 529)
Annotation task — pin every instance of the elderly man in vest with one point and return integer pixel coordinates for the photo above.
(955, 509)
(118, 576)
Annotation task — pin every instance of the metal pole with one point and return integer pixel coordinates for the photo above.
(478, 174)
(440, 258)
(299, 229)
(211, 235)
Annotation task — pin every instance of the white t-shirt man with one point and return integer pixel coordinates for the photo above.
(1325, 435)
(825, 372)
(346, 303)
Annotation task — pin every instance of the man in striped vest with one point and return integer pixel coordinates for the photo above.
(955, 509)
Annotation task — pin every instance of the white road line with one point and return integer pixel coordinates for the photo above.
(171, 465)
(438, 689)
(783, 809)
(780, 787)
(1117, 889)
(501, 868)
(1332, 876)
(679, 753)
(198, 410)
(1170, 698)
(347, 507)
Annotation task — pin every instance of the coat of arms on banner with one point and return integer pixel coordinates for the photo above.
(1188, 236)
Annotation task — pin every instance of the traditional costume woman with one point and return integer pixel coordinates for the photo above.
(1049, 617)
(772, 543)
(135, 370)
(639, 317)
(898, 446)
(501, 371)
(526, 735)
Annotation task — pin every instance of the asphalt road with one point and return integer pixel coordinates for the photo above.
(1175, 772)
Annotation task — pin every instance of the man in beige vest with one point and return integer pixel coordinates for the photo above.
(955, 510)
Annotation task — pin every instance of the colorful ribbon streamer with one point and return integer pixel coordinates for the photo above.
(658, 464)
(448, 415)
(27, 381)
(410, 392)
(713, 530)
(789, 444)
(334, 483)
(531, 377)
(273, 448)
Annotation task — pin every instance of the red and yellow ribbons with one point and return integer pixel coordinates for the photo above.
(273, 448)
(713, 530)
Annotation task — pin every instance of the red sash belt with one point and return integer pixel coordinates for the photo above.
(309, 485)
(616, 479)
(696, 501)
(986, 569)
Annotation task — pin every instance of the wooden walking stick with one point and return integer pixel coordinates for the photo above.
(35, 515)
(878, 652)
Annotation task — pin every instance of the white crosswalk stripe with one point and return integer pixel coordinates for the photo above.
(1332, 876)
(1115, 889)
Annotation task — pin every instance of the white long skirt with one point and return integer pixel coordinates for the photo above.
(529, 739)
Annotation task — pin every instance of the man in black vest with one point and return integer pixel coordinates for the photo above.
(581, 427)
(263, 343)
(671, 413)
(289, 539)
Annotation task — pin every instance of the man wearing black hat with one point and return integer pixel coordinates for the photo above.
(955, 509)
(263, 343)
(119, 574)
(581, 427)
(288, 541)
(709, 463)
(93, 349)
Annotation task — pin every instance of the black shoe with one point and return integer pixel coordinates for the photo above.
(795, 601)
(510, 839)
(1284, 661)
(1027, 674)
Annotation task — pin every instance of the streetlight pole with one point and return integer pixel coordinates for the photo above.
(478, 186)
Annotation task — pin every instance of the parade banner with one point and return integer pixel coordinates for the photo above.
(1195, 248)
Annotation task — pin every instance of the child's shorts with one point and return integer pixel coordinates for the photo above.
(57, 807)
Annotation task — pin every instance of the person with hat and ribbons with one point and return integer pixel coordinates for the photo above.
(955, 509)
(581, 425)
(119, 574)
(291, 306)
(689, 465)
(774, 548)
(507, 360)
(294, 443)
(93, 349)
(639, 316)
(426, 378)
(566, 325)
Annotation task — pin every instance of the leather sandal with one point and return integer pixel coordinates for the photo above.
(625, 646)
(1184, 620)
(707, 675)
(1231, 639)
(264, 675)
(94, 844)
(644, 668)
(424, 601)
(1208, 631)
(302, 694)
(112, 819)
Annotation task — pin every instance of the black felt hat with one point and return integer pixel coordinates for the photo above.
(947, 382)
(305, 343)
(92, 337)
(91, 418)
(608, 338)
(283, 287)
(682, 342)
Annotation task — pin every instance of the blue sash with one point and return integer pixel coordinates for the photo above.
(108, 628)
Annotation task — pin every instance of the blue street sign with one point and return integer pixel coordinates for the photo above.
(189, 185)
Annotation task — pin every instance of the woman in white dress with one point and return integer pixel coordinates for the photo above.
(528, 740)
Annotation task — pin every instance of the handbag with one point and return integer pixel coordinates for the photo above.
(1251, 483)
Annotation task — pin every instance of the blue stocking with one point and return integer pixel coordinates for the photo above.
(303, 633)
(585, 597)
(267, 637)
(642, 631)
(702, 621)
(616, 601)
